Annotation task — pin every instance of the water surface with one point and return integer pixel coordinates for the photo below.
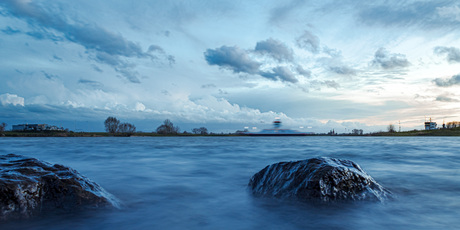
(201, 182)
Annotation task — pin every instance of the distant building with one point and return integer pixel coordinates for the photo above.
(429, 125)
(36, 127)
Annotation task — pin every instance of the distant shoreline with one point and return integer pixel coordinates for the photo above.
(437, 132)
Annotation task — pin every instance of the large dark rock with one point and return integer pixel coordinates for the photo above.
(323, 178)
(29, 187)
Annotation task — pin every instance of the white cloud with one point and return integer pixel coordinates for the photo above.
(140, 107)
(11, 99)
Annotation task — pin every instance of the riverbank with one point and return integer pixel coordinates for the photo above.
(437, 132)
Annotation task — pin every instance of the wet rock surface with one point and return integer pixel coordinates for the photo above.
(325, 179)
(30, 187)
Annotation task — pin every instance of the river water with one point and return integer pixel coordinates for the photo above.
(201, 182)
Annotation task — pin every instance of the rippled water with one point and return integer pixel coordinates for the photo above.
(201, 182)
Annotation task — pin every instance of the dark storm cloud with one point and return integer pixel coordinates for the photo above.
(446, 82)
(386, 60)
(452, 54)
(280, 73)
(275, 49)
(308, 41)
(426, 14)
(232, 58)
(108, 46)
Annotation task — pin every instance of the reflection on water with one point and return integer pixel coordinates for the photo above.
(201, 182)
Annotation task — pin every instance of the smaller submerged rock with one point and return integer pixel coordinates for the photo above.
(323, 178)
(29, 187)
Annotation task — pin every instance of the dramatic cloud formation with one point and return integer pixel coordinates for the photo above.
(315, 64)
(11, 99)
(107, 46)
(452, 54)
(386, 60)
(274, 49)
(309, 41)
(232, 58)
(442, 82)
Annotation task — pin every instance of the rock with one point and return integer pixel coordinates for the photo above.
(29, 187)
(325, 179)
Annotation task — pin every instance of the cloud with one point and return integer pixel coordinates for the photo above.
(208, 86)
(11, 99)
(108, 47)
(280, 13)
(454, 80)
(139, 107)
(331, 84)
(303, 72)
(95, 84)
(275, 49)
(308, 41)
(232, 58)
(452, 53)
(50, 76)
(386, 60)
(342, 70)
(452, 12)
(8, 30)
(423, 14)
(446, 98)
(281, 73)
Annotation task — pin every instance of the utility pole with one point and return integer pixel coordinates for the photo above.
(400, 126)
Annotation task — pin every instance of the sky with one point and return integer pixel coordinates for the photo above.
(226, 65)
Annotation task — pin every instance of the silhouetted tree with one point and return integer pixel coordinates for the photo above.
(357, 132)
(167, 128)
(111, 124)
(391, 128)
(2, 127)
(126, 128)
(201, 131)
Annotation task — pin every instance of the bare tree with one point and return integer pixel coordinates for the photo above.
(201, 131)
(2, 127)
(167, 128)
(391, 128)
(126, 128)
(111, 124)
(357, 132)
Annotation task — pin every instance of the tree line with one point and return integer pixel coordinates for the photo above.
(113, 126)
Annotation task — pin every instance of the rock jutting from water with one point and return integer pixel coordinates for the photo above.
(323, 178)
(30, 187)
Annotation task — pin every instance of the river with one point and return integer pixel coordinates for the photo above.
(201, 182)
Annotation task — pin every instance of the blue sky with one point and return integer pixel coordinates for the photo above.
(226, 65)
